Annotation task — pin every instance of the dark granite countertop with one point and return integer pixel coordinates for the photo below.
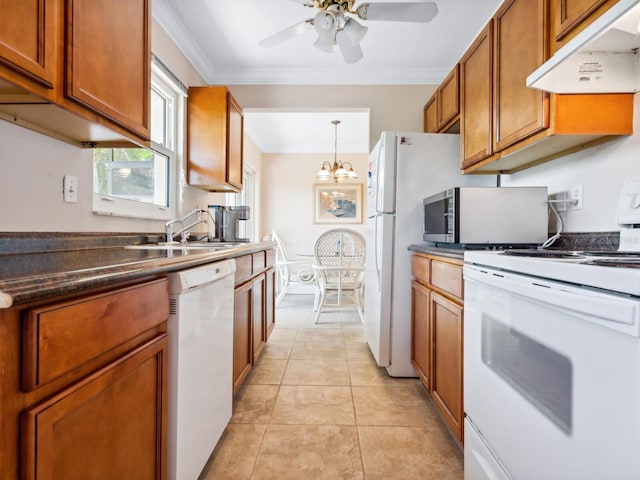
(568, 241)
(34, 267)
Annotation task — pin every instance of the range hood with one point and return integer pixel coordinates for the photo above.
(603, 58)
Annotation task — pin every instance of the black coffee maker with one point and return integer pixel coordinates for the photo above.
(226, 220)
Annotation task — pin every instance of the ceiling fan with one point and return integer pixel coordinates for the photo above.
(335, 23)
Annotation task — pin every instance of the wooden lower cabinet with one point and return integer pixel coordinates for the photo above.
(254, 311)
(259, 331)
(437, 334)
(242, 350)
(109, 425)
(420, 333)
(446, 360)
(84, 385)
(270, 300)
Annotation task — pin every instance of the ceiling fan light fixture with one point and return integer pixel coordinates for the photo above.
(350, 53)
(325, 25)
(354, 31)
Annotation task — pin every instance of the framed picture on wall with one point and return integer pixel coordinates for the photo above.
(337, 203)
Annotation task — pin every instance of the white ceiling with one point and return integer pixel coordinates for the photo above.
(308, 132)
(220, 38)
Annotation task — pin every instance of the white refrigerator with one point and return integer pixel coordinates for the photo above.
(403, 169)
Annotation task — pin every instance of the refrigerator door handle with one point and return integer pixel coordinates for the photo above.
(375, 250)
(377, 183)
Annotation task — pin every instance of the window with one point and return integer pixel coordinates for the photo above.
(141, 182)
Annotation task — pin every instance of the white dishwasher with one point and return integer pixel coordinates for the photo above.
(200, 395)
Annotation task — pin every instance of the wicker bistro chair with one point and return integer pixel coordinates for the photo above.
(290, 272)
(339, 266)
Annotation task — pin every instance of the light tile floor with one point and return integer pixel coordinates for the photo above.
(316, 406)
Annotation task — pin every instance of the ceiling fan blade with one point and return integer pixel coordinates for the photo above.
(398, 12)
(287, 33)
(351, 53)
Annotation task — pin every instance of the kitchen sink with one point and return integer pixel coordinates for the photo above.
(183, 246)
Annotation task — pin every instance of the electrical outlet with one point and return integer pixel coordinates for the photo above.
(70, 189)
(558, 200)
(575, 198)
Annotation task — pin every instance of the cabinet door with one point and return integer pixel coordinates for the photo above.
(431, 115)
(446, 360)
(571, 13)
(270, 301)
(520, 46)
(242, 334)
(258, 331)
(477, 72)
(449, 99)
(109, 425)
(234, 143)
(420, 335)
(109, 60)
(28, 38)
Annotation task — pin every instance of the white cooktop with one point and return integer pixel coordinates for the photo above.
(572, 270)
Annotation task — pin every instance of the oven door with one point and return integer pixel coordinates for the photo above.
(552, 377)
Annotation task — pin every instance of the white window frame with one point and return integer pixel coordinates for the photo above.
(120, 207)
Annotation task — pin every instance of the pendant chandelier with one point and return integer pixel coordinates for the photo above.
(338, 172)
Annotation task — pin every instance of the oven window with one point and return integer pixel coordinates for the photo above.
(541, 375)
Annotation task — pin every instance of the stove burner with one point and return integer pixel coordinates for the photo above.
(542, 253)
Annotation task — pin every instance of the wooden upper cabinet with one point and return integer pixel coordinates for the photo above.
(442, 111)
(449, 99)
(214, 140)
(506, 126)
(571, 16)
(29, 42)
(476, 69)
(520, 46)
(109, 60)
(431, 115)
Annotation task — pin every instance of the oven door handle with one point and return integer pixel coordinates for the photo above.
(611, 311)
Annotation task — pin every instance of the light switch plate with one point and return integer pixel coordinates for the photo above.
(70, 189)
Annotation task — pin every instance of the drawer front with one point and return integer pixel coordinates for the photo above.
(271, 257)
(62, 336)
(447, 278)
(259, 261)
(420, 268)
(244, 269)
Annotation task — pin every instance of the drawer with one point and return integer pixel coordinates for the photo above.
(447, 277)
(259, 261)
(271, 257)
(420, 268)
(244, 269)
(60, 337)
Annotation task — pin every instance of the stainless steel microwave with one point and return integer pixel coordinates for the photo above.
(487, 215)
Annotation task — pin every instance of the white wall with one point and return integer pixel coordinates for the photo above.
(391, 107)
(601, 170)
(287, 197)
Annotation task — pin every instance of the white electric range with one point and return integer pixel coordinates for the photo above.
(552, 365)
(552, 360)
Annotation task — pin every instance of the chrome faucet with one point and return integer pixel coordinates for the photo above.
(170, 234)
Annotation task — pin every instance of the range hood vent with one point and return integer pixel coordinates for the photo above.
(603, 58)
